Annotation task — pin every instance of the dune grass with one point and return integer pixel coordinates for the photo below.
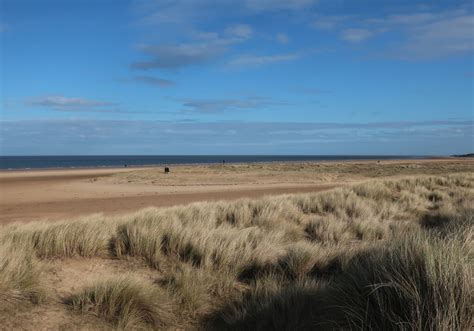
(416, 282)
(124, 301)
(286, 172)
(19, 276)
(393, 254)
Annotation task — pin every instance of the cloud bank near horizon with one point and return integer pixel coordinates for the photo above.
(49, 137)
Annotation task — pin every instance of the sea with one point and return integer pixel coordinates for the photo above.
(80, 161)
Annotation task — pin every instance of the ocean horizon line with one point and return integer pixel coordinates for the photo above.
(113, 161)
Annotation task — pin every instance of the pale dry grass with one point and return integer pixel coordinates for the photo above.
(124, 301)
(418, 282)
(286, 172)
(87, 237)
(19, 276)
(403, 245)
(415, 282)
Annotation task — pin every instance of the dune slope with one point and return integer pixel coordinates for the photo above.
(384, 254)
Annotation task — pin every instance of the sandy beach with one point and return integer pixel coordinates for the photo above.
(32, 195)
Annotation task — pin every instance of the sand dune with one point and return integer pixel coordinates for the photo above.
(375, 255)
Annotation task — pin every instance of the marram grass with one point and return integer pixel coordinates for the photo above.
(395, 255)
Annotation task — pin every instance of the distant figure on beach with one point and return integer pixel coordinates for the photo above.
(167, 170)
(223, 161)
(124, 165)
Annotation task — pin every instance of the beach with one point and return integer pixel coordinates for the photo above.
(33, 195)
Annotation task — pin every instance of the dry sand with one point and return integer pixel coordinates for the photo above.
(58, 194)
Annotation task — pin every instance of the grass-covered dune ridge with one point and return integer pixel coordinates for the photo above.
(393, 254)
(287, 172)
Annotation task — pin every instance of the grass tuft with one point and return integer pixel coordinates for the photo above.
(20, 274)
(126, 302)
(421, 282)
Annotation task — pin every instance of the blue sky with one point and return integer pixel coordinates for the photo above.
(236, 77)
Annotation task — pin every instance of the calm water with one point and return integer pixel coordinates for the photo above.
(41, 162)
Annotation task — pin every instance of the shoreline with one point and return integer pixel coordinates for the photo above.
(134, 167)
(148, 166)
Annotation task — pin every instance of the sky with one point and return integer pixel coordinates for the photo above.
(159, 77)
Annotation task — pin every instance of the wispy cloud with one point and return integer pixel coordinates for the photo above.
(190, 12)
(314, 91)
(243, 31)
(154, 81)
(259, 60)
(192, 47)
(207, 46)
(73, 104)
(282, 38)
(356, 35)
(169, 12)
(62, 101)
(272, 5)
(178, 56)
(210, 106)
(440, 37)
(329, 22)
(421, 35)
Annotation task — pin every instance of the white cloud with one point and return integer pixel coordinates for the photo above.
(178, 56)
(410, 19)
(329, 22)
(440, 38)
(160, 82)
(193, 11)
(258, 60)
(223, 105)
(122, 137)
(282, 38)
(205, 47)
(268, 5)
(421, 35)
(62, 103)
(240, 31)
(356, 35)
